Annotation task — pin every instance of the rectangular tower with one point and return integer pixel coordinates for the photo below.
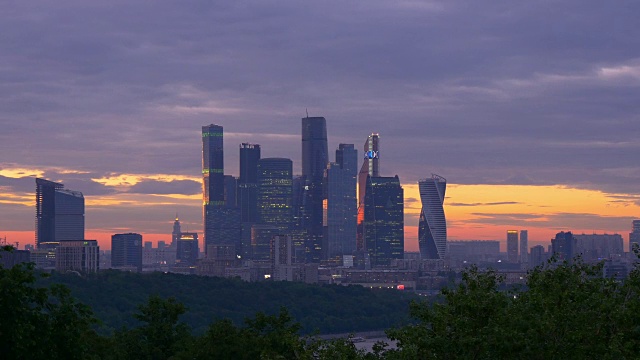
(512, 246)
(634, 236)
(126, 251)
(384, 220)
(524, 246)
(59, 214)
(342, 204)
(370, 167)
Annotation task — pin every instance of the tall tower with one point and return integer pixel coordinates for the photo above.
(524, 246)
(384, 220)
(342, 204)
(314, 162)
(432, 227)
(275, 193)
(248, 181)
(370, 167)
(175, 234)
(126, 250)
(512, 246)
(222, 224)
(59, 214)
(634, 235)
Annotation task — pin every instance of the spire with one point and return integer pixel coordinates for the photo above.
(177, 216)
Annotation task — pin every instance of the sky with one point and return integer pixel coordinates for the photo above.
(529, 109)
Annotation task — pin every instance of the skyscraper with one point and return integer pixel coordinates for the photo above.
(524, 246)
(634, 235)
(314, 162)
(512, 246)
(563, 246)
(432, 226)
(126, 250)
(370, 167)
(384, 219)
(187, 249)
(275, 193)
(175, 234)
(59, 214)
(222, 224)
(342, 204)
(78, 255)
(230, 191)
(248, 193)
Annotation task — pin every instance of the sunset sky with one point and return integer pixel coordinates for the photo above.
(529, 109)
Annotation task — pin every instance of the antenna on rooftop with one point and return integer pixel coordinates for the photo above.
(307, 111)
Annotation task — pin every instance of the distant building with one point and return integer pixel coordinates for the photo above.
(524, 246)
(126, 251)
(537, 256)
(230, 191)
(596, 247)
(564, 246)
(275, 193)
(370, 167)
(282, 259)
(9, 259)
(187, 249)
(315, 157)
(261, 236)
(59, 214)
(512, 246)
(78, 255)
(473, 251)
(175, 234)
(248, 193)
(634, 236)
(384, 220)
(341, 204)
(432, 226)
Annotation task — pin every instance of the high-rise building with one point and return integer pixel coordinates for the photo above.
(175, 234)
(524, 246)
(563, 246)
(512, 246)
(538, 256)
(230, 191)
(261, 236)
(314, 162)
(342, 204)
(281, 258)
(597, 247)
(432, 226)
(634, 235)
(78, 255)
(370, 167)
(59, 214)
(300, 219)
(384, 220)
(248, 193)
(187, 249)
(126, 251)
(275, 193)
(222, 225)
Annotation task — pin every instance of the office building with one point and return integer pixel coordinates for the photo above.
(524, 246)
(384, 220)
(596, 247)
(282, 259)
(370, 167)
(563, 246)
(222, 223)
(314, 162)
(187, 249)
(59, 214)
(248, 193)
(78, 255)
(432, 226)
(126, 251)
(261, 236)
(175, 234)
(538, 256)
(275, 193)
(342, 204)
(230, 191)
(512, 246)
(634, 235)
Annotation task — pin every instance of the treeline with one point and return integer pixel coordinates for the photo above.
(568, 311)
(114, 297)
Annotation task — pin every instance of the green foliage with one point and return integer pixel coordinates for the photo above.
(566, 311)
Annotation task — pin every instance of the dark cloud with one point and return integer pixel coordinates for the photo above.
(557, 221)
(186, 187)
(481, 93)
(484, 204)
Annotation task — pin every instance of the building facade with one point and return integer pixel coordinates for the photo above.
(370, 167)
(384, 220)
(59, 214)
(524, 246)
(634, 235)
(314, 162)
(342, 204)
(126, 251)
(275, 193)
(187, 249)
(432, 226)
(78, 255)
(564, 246)
(512, 246)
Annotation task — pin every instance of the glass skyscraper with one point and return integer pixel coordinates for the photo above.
(314, 162)
(432, 226)
(342, 204)
(126, 250)
(275, 193)
(222, 225)
(59, 214)
(384, 220)
(370, 167)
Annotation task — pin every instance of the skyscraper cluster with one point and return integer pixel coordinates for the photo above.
(319, 210)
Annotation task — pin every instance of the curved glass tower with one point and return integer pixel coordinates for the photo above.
(432, 228)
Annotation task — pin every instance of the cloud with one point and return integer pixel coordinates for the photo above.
(186, 187)
(485, 204)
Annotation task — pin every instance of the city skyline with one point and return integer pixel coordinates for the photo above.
(535, 127)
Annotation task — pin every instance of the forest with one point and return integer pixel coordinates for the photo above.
(567, 310)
